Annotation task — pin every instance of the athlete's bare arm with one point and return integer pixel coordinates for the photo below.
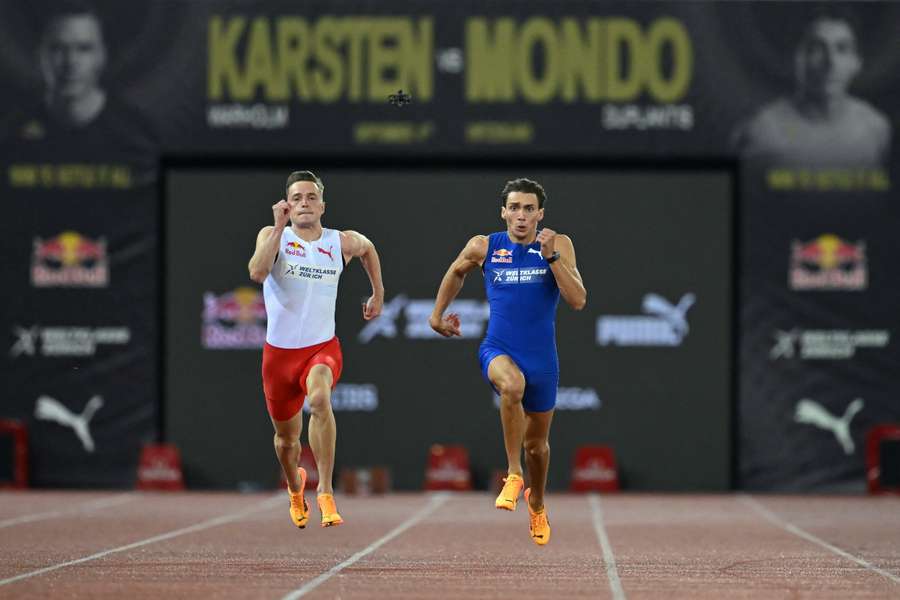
(571, 288)
(267, 243)
(471, 257)
(353, 244)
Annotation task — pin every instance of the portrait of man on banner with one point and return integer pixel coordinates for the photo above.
(820, 124)
(72, 105)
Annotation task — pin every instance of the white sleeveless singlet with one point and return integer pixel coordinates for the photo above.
(301, 290)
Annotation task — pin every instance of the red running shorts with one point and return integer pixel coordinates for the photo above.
(284, 373)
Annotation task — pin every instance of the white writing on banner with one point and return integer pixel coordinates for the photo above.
(571, 398)
(664, 324)
(352, 397)
(473, 316)
(65, 341)
(826, 344)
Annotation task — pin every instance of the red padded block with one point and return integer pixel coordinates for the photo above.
(448, 468)
(19, 433)
(874, 439)
(159, 468)
(594, 470)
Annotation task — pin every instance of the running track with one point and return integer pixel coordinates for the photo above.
(222, 545)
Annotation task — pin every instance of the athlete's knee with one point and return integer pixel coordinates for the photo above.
(285, 444)
(319, 400)
(512, 388)
(537, 448)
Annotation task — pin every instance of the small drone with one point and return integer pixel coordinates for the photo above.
(401, 98)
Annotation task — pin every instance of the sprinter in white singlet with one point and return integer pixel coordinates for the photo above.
(299, 263)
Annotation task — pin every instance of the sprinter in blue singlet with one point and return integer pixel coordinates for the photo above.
(525, 273)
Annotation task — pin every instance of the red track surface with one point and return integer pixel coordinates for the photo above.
(184, 545)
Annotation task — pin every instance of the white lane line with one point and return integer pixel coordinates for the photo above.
(86, 507)
(612, 573)
(772, 517)
(435, 501)
(157, 538)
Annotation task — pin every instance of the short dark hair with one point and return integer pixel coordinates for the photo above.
(71, 8)
(526, 186)
(304, 176)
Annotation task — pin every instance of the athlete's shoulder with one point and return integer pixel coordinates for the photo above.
(264, 232)
(476, 248)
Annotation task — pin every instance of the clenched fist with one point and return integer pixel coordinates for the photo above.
(547, 238)
(282, 213)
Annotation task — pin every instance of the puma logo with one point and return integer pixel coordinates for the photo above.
(327, 252)
(535, 251)
(50, 409)
(810, 412)
(675, 315)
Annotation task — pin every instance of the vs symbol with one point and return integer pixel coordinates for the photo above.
(400, 98)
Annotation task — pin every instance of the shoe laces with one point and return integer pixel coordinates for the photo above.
(539, 519)
(297, 501)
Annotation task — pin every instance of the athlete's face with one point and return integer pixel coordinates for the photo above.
(307, 205)
(73, 55)
(828, 60)
(522, 215)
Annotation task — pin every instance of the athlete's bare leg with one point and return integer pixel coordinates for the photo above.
(537, 454)
(287, 448)
(322, 428)
(509, 381)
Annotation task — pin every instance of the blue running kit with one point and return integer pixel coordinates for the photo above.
(523, 296)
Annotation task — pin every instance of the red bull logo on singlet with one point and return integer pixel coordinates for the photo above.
(294, 249)
(502, 255)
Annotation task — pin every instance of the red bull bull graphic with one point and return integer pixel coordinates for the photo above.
(234, 320)
(69, 260)
(828, 263)
(294, 249)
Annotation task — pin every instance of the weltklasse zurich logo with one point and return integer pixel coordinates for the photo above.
(473, 315)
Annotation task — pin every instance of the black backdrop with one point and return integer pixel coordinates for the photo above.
(665, 409)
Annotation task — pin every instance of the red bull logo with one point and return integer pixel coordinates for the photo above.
(828, 263)
(501, 255)
(234, 320)
(69, 260)
(294, 249)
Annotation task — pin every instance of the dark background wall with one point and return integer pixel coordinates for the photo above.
(635, 232)
(587, 88)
